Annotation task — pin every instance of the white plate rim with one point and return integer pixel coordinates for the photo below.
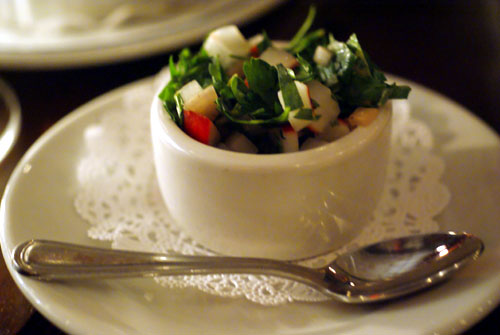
(149, 39)
(480, 309)
(11, 130)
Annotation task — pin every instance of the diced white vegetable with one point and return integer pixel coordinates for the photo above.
(226, 42)
(240, 143)
(328, 108)
(335, 131)
(289, 139)
(362, 116)
(203, 103)
(255, 40)
(312, 143)
(304, 94)
(298, 124)
(322, 55)
(190, 90)
(275, 56)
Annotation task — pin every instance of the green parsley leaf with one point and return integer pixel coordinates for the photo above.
(262, 79)
(179, 104)
(189, 67)
(297, 39)
(264, 44)
(306, 114)
(288, 88)
(306, 70)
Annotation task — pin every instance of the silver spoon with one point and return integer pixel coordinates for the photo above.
(381, 271)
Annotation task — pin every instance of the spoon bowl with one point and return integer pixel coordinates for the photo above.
(381, 271)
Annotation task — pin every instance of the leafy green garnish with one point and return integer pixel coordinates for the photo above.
(262, 79)
(305, 71)
(219, 79)
(310, 41)
(256, 104)
(361, 83)
(299, 36)
(276, 120)
(188, 67)
(291, 96)
(264, 44)
(179, 106)
(252, 100)
(305, 114)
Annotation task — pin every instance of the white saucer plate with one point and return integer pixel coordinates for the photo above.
(38, 203)
(21, 50)
(10, 119)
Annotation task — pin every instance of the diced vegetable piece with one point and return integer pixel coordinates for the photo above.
(203, 103)
(200, 128)
(298, 123)
(362, 116)
(311, 143)
(255, 40)
(289, 139)
(275, 56)
(304, 94)
(328, 109)
(322, 55)
(240, 143)
(225, 43)
(190, 90)
(335, 131)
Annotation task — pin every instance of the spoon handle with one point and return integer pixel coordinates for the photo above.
(50, 260)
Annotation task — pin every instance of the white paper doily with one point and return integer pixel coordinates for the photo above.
(120, 199)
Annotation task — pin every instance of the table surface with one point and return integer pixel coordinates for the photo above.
(450, 46)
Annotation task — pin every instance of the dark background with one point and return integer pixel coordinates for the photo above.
(452, 47)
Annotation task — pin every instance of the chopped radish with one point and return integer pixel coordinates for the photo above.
(254, 51)
(335, 131)
(200, 128)
(322, 55)
(254, 41)
(190, 90)
(362, 116)
(240, 143)
(328, 108)
(275, 56)
(289, 139)
(203, 103)
(303, 91)
(312, 143)
(225, 43)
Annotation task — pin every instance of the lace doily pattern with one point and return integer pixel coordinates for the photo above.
(120, 199)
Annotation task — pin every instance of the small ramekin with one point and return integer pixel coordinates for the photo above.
(283, 206)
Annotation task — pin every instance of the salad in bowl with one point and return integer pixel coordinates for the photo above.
(267, 149)
(260, 96)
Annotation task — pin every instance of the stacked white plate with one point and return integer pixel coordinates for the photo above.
(64, 33)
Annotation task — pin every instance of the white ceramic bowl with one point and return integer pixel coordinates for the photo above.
(284, 206)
